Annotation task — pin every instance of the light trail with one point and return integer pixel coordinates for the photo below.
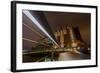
(33, 30)
(32, 18)
(33, 41)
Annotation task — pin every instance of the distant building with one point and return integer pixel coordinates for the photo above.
(69, 37)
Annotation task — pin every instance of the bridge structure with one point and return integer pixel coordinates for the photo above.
(65, 42)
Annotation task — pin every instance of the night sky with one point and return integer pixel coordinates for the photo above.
(82, 20)
(56, 20)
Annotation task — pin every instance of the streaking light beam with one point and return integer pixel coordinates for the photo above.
(33, 41)
(29, 15)
(33, 30)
